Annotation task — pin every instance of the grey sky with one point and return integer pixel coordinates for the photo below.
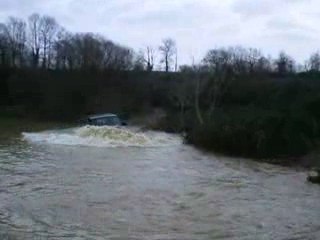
(196, 25)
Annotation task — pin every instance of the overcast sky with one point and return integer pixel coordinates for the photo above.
(196, 25)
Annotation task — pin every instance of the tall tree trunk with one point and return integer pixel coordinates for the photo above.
(182, 123)
(196, 104)
(167, 64)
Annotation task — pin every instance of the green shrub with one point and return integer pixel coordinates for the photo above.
(252, 132)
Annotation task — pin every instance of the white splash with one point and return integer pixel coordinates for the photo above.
(105, 136)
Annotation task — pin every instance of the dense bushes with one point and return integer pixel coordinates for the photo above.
(272, 119)
(265, 134)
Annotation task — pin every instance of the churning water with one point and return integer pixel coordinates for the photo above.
(120, 183)
(106, 136)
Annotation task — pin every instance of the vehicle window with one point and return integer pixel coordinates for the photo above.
(108, 121)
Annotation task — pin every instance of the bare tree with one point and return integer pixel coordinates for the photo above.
(167, 49)
(284, 64)
(3, 49)
(59, 48)
(264, 64)
(91, 51)
(109, 52)
(34, 38)
(237, 60)
(219, 60)
(181, 97)
(123, 58)
(145, 59)
(219, 70)
(195, 84)
(14, 32)
(48, 29)
(197, 95)
(176, 61)
(150, 57)
(139, 64)
(313, 63)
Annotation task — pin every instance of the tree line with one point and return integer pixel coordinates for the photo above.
(40, 42)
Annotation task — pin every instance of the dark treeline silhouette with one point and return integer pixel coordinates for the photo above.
(41, 42)
(236, 100)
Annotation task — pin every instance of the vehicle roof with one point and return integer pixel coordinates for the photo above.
(102, 115)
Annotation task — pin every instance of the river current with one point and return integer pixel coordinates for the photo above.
(115, 183)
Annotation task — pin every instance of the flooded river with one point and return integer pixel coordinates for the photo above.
(108, 183)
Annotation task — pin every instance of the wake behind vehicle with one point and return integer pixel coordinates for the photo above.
(107, 119)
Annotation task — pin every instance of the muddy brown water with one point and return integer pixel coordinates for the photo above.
(165, 191)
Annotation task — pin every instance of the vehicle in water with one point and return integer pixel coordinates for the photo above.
(314, 177)
(107, 119)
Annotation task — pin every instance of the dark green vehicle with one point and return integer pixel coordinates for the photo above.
(108, 119)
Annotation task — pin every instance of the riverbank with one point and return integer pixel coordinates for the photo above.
(11, 127)
(235, 144)
(278, 149)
